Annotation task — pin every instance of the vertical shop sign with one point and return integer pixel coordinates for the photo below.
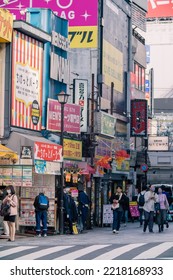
(27, 65)
(139, 117)
(80, 97)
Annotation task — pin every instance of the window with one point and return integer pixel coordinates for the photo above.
(139, 77)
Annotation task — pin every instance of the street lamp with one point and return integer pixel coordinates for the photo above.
(62, 99)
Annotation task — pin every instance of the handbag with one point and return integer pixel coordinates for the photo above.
(157, 206)
(5, 209)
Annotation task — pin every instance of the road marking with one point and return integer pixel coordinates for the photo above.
(42, 253)
(118, 251)
(15, 250)
(155, 251)
(79, 253)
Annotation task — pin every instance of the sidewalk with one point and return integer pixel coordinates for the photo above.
(130, 234)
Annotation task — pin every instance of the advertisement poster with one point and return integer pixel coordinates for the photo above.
(82, 17)
(27, 176)
(47, 152)
(112, 66)
(27, 65)
(71, 117)
(72, 149)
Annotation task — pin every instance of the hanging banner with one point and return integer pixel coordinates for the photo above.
(139, 117)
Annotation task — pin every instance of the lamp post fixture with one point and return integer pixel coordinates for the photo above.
(62, 99)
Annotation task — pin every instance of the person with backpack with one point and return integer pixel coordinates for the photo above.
(141, 202)
(41, 204)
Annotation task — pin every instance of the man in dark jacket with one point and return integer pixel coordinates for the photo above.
(83, 207)
(41, 204)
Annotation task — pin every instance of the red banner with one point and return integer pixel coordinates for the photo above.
(160, 8)
(139, 118)
(48, 152)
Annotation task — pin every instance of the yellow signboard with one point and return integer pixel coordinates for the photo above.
(112, 66)
(72, 149)
(83, 36)
(6, 26)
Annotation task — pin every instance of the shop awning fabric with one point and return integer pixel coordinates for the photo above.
(7, 153)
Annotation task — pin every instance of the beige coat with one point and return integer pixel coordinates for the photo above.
(13, 202)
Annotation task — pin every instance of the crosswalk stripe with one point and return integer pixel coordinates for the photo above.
(42, 253)
(155, 251)
(15, 250)
(77, 254)
(118, 251)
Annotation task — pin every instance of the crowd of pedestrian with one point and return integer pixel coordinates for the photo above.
(153, 206)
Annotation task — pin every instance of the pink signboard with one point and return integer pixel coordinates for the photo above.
(71, 117)
(79, 13)
(48, 152)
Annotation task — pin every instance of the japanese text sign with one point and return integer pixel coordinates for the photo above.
(80, 97)
(48, 152)
(71, 117)
(72, 149)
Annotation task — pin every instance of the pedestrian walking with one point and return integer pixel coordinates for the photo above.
(125, 206)
(118, 201)
(12, 201)
(161, 212)
(5, 232)
(83, 207)
(141, 202)
(41, 204)
(149, 207)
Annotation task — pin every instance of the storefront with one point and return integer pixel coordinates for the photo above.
(39, 163)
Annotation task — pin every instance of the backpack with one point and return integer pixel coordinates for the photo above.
(42, 202)
(141, 200)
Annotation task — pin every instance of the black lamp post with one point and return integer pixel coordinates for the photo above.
(62, 99)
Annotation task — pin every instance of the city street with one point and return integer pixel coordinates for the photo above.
(98, 244)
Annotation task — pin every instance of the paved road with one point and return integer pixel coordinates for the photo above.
(97, 244)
